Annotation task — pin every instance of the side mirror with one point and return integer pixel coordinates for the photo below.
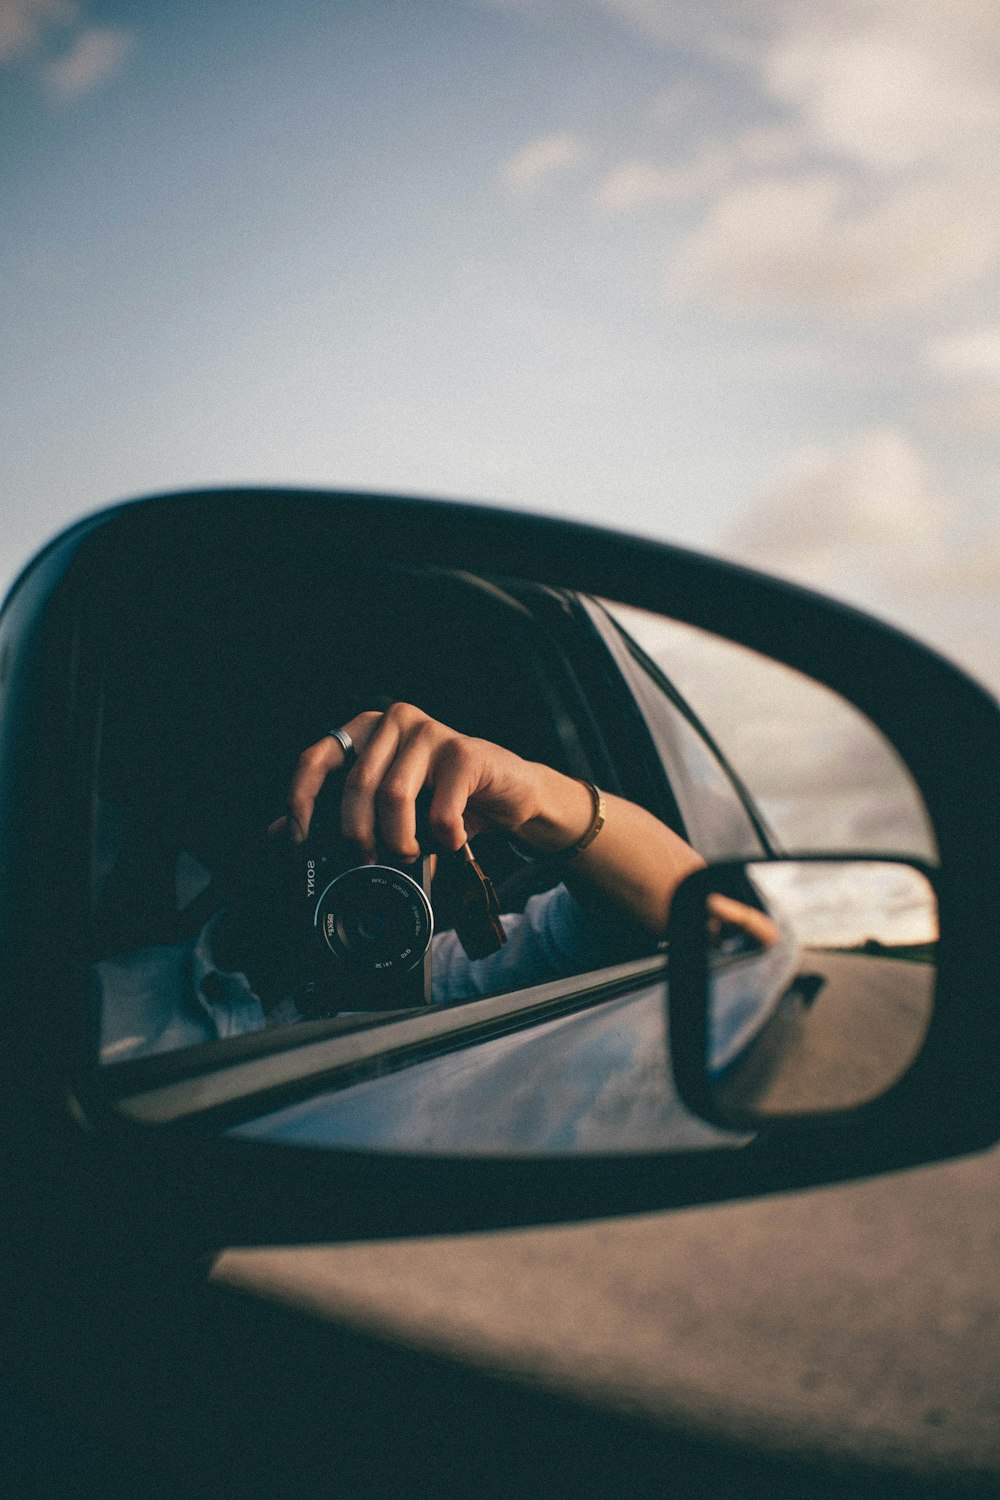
(160, 663)
(800, 988)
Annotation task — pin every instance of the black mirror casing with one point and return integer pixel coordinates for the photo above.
(63, 1147)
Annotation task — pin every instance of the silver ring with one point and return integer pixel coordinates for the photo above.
(346, 744)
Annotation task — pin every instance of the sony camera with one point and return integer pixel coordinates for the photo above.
(369, 927)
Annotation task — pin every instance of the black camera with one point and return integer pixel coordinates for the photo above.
(309, 925)
(369, 927)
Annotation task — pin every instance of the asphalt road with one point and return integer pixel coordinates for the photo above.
(858, 1033)
(860, 1321)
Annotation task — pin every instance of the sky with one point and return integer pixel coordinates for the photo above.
(724, 273)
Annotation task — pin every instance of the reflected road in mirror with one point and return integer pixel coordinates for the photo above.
(830, 1012)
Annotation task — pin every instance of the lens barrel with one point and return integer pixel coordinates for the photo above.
(375, 919)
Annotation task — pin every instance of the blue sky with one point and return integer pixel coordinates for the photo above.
(725, 274)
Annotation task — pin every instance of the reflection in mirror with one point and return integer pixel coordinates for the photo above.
(254, 872)
(510, 1002)
(820, 983)
(824, 777)
(596, 1080)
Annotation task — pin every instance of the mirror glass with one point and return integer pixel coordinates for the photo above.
(820, 982)
(216, 939)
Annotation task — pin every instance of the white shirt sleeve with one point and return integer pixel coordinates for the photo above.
(554, 937)
(160, 999)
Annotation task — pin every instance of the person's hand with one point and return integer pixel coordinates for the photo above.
(727, 914)
(473, 784)
(632, 866)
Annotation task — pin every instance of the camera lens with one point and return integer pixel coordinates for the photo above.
(376, 919)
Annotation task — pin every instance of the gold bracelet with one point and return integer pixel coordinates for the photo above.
(596, 822)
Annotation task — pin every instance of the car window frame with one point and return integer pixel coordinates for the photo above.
(629, 658)
(220, 1083)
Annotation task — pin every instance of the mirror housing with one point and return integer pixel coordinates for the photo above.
(210, 1190)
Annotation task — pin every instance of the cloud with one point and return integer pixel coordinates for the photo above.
(769, 146)
(24, 24)
(873, 502)
(970, 360)
(803, 45)
(97, 52)
(805, 242)
(974, 412)
(885, 82)
(890, 84)
(637, 184)
(871, 187)
(978, 565)
(725, 28)
(866, 188)
(540, 159)
(683, 99)
(825, 777)
(974, 353)
(868, 523)
(31, 30)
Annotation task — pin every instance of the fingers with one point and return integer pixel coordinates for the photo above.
(725, 910)
(380, 793)
(451, 821)
(314, 766)
(408, 752)
(399, 754)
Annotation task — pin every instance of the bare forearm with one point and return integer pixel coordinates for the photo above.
(635, 863)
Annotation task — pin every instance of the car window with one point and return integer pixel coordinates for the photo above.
(206, 930)
(822, 776)
(718, 818)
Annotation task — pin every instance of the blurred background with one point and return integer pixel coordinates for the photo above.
(722, 273)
